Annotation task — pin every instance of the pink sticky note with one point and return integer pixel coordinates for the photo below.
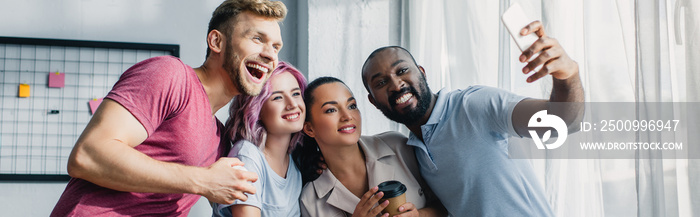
(57, 79)
(94, 104)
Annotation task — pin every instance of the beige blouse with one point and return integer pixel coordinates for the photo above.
(388, 158)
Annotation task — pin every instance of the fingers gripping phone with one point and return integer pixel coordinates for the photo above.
(515, 20)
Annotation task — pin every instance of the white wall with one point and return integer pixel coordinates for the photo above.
(171, 22)
(151, 21)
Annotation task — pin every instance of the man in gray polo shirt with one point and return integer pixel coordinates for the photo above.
(461, 137)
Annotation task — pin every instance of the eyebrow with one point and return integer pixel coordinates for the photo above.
(329, 102)
(397, 62)
(263, 34)
(376, 75)
(335, 103)
(279, 91)
(251, 30)
(379, 73)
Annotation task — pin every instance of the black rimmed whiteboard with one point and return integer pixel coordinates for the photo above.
(38, 132)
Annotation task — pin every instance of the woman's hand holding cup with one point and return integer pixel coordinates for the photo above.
(408, 209)
(395, 194)
(366, 208)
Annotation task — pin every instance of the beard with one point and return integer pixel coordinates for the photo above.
(232, 64)
(411, 116)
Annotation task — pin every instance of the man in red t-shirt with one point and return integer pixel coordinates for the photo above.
(152, 146)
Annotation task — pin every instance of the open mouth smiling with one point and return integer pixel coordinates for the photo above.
(292, 116)
(347, 128)
(256, 71)
(403, 98)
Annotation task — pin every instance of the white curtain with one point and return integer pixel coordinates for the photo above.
(627, 50)
(341, 34)
(687, 12)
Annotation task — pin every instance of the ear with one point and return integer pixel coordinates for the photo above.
(422, 70)
(309, 130)
(371, 100)
(215, 41)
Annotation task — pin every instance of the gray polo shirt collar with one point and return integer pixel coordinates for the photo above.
(427, 129)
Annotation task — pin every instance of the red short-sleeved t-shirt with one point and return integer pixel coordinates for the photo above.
(166, 96)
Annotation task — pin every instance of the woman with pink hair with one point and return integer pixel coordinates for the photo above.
(265, 129)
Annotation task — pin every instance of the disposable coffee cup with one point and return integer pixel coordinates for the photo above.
(395, 193)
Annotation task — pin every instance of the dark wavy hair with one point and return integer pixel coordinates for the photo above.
(307, 155)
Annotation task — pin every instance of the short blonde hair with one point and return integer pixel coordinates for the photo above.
(223, 18)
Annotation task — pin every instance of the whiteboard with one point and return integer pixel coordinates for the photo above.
(39, 131)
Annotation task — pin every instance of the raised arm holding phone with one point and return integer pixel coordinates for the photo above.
(460, 137)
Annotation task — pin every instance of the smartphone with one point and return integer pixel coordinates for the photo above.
(515, 20)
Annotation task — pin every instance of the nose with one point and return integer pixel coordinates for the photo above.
(269, 53)
(291, 104)
(345, 115)
(396, 84)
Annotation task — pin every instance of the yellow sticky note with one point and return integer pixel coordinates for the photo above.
(23, 90)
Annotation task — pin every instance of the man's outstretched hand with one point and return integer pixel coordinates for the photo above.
(321, 165)
(556, 61)
(222, 183)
